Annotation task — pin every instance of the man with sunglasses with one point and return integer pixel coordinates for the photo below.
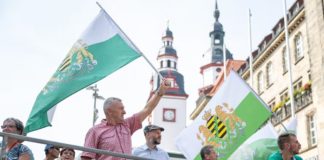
(289, 148)
(51, 152)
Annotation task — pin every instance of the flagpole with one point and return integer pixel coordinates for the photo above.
(224, 60)
(160, 75)
(96, 96)
(292, 101)
(250, 44)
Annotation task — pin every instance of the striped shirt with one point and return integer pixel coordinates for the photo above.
(115, 138)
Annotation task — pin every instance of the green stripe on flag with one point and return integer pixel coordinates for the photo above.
(102, 50)
(107, 52)
(254, 114)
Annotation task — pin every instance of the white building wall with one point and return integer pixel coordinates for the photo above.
(172, 129)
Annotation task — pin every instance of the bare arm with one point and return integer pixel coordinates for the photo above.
(24, 157)
(151, 104)
(85, 158)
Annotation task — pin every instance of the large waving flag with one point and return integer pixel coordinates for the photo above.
(259, 146)
(263, 143)
(233, 114)
(102, 49)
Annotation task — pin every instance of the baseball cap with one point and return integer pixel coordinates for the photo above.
(151, 127)
(48, 147)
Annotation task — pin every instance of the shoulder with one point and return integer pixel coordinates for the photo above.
(275, 156)
(98, 128)
(133, 123)
(139, 150)
(163, 151)
(298, 157)
(134, 117)
(23, 148)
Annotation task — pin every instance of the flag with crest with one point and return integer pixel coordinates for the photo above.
(232, 115)
(102, 49)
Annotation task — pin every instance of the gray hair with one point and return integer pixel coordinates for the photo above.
(109, 101)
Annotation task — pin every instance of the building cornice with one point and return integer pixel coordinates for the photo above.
(274, 44)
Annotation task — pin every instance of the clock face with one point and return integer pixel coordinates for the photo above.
(169, 115)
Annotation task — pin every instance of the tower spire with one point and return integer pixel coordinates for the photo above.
(216, 13)
(213, 59)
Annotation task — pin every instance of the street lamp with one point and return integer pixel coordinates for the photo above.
(95, 96)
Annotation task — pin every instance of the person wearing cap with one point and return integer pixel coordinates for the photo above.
(150, 150)
(67, 154)
(114, 133)
(14, 148)
(51, 152)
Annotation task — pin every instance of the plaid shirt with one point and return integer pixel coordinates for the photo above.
(17, 151)
(115, 138)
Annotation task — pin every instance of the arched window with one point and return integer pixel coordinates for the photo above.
(298, 47)
(168, 63)
(260, 82)
(269, 74)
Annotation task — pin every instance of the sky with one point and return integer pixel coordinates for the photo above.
(36, 35)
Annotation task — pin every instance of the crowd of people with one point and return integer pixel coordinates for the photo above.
(114, 134)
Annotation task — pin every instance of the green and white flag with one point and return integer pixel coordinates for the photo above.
(102, 49)
(258, 146)
(233, 114)
(263, 143)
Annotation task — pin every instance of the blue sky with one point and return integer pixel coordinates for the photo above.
(36, 35)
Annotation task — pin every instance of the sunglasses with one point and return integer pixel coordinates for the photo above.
(8, 126)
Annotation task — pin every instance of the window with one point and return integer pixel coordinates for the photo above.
(284, 60)
(260, 82)
(298, 47)
(271, 104)
(278, 29)
(264, 45)
(298, 85)
(297, 88)
(161, 64)
(173, 83)
(168, 63)
(311, 122)
(285, 99)
(217, 41)
(269, 74)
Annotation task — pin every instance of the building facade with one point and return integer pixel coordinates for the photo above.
(271, 74)
(271, 78)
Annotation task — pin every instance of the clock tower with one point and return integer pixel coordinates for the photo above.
(171, 111)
